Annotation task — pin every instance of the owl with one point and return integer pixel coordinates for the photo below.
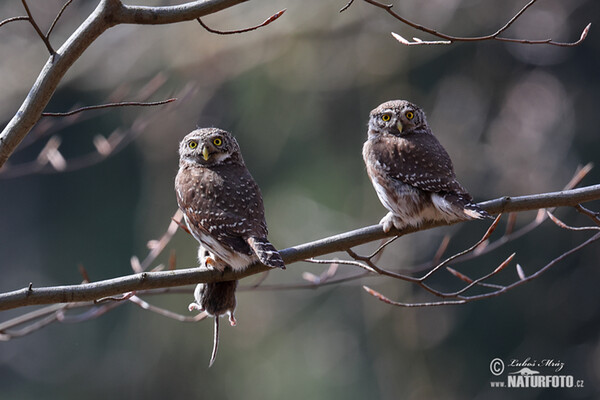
(221, 203)
(411, 171)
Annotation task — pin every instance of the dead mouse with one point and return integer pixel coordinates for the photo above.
(216, 299)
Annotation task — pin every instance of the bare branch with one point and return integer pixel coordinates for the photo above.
(13, 19)
(561, 224)
(343, 262)
(346, 6)
(341, 242)
(594, 216)
(60, 13)
(38, 30)
(485, 237)
(449, 39)
(503, 289)
(109, 105)
(143, 15)
(252, 28)
(108, 13)
(166, 313)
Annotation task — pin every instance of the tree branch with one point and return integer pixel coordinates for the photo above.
(38, 30)
(237, 31)
(109, 105)
(144, 15)
(60, 13)
(13, 19)
(341, 242)
(449, 39)
(107, 14)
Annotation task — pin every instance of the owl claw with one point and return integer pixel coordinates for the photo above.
(210, 262)
(389, 221)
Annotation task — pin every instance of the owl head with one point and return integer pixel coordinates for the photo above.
(398, 118)
(210, 147)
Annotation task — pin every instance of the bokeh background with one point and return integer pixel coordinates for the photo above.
(516, 119)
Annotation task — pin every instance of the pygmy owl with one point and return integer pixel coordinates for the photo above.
(221, 202)
(411, 171)
(223, 209)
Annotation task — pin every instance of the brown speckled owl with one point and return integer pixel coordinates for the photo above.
(410, 170)
(221, 202)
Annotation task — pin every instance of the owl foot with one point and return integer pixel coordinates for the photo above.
(210, 263)
(389, 221)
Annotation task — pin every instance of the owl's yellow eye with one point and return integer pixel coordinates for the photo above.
(217, 141)
(386, 117)
(192, 144)
(409, 115)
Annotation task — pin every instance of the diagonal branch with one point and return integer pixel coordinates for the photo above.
(60, 13)
(107, 14)
(38, 30)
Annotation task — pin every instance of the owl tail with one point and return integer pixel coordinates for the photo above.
(473, 210)
(266, 252)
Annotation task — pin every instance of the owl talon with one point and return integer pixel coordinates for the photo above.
(210, 263)
(388, 222)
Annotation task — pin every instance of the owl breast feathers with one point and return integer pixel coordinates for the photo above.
(411, 171)
(221, 202)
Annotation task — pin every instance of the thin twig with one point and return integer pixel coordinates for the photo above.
(561, 224)
(60, 13)
(13, 19)
(109, 105)
(344, 262)
(465, 299)
(37, 29)
(594, 216)
(485, 237)
(347, 6)
(252, 28)
(449, 39)
(166, 313)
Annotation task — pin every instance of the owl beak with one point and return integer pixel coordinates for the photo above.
(205, 153)
(400, 127)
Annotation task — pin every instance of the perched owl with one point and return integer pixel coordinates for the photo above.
(221, 202)
(223, 209)
(410, 170)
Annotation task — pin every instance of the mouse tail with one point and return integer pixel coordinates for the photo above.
(215, 342)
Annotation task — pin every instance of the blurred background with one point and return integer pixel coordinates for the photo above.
(516, 119)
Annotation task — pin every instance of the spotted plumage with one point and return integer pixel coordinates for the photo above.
(221, 202)
(411, 171)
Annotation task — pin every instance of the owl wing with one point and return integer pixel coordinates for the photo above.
(423, 163)
(225, 205)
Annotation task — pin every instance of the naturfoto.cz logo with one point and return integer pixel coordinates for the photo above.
(531, 373)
